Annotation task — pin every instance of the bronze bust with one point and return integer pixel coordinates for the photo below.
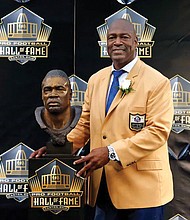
(57, 117)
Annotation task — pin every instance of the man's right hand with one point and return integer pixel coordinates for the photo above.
(97, 158)
(38, 153)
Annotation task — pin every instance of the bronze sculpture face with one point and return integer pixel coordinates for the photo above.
(56, 94)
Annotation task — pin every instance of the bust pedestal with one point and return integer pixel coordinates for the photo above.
(55, 191)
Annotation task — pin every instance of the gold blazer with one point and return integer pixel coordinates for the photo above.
(137, 125)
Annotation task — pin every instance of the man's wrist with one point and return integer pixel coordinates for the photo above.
(112, 155)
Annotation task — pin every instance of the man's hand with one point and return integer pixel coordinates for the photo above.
(95, 159)
(38, 153)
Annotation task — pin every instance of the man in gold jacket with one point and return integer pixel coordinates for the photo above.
(128, 166)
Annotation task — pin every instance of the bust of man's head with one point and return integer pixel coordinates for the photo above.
(56, 92)
(57, 117)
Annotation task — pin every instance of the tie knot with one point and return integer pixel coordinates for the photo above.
(118, 73)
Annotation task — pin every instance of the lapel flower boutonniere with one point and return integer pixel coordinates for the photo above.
(126, 87)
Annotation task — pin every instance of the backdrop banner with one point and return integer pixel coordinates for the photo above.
(40, 35)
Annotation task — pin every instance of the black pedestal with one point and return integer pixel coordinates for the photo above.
(55, 192)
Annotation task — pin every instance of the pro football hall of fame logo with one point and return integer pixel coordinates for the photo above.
(14, 172)
(181, 100)
(55, 187)
(24, 36)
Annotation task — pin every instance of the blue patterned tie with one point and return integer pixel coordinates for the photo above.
(114, 87)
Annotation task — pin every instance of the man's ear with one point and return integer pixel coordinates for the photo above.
(136, 41)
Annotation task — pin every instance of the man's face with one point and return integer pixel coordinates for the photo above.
(56, 94)
(121, 43)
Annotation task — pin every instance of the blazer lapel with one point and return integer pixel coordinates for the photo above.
(133, 77)
(103, 92)
(115, 102)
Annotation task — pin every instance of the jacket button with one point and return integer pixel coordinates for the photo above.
(104, 137)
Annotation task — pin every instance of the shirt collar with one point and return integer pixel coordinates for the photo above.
(129, 66)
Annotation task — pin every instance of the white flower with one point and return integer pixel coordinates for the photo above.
(126, 86)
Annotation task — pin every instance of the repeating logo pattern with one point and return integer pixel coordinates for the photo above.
(181, 100)
(22, 1)
(55, 187)
(24, 36)
(78, 87)
(14, 172)
(178, 217)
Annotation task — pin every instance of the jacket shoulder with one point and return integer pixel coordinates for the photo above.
(101, 74)
(152, 74)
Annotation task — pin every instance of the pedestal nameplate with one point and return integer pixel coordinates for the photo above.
(54, 188)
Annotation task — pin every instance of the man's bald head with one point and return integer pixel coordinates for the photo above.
(122, 23)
